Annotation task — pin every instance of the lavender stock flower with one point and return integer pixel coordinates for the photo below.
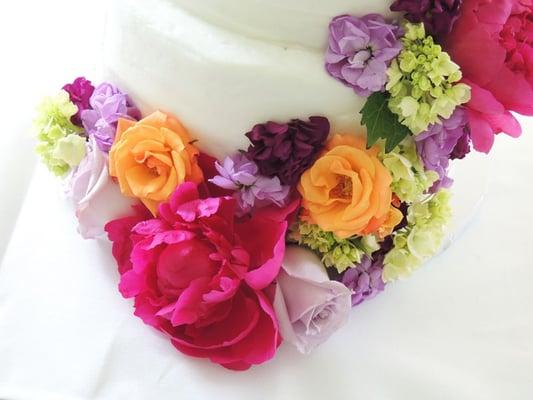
(360, 51)
(108, 105)
(438, 16)
(436, 145)
(241, 175)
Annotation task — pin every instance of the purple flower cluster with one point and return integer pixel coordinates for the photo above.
(80, 92)
(437, 145)
(287, 150)
(108, 105)
(252, 190)
(438, 16)
(365, 280)
(360, 51)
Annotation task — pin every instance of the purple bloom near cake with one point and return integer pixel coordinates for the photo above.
(287, 150)
(108, 105)
(80, 92)
(252, 190)
(365, 279)
(436, 146)
(360, 51)
(438, 16)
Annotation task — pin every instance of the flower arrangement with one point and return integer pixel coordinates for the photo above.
(229, 258)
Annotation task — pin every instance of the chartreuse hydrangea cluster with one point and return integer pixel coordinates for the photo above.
(335, 252)
(423, 82)
(60, 145)
(420, 239)
(410, 180)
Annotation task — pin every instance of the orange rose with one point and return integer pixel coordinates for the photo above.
(150, 158)
(347, 190)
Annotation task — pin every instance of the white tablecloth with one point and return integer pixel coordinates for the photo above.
(460, 328)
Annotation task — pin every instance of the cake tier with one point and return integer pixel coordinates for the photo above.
(221, 78)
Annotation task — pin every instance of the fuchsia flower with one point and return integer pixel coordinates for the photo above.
(80, 92)
(492, 41)
(200, 275)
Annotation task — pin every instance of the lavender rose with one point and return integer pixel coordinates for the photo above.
(309, 306)
(287, 150)
(436, 145)
(108, 105)
(360, 51)
(96, 197)
(438, 16)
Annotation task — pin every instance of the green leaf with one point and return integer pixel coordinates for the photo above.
(382, 123)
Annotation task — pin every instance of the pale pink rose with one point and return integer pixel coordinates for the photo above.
(96, 197)
(310, 307)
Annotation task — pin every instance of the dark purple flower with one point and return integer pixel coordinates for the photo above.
(287, 150)
(251, 189)
(108, 105)
(438, 16)
(80, 92)
(462, 148)
(435, 146)
(360, 51)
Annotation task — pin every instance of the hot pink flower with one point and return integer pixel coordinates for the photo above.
(492, 41)
(199, 275)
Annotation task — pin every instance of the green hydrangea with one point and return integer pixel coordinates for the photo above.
(409, 178)
(335, 252)
(58, 150)
(420, 239)
(423, 82)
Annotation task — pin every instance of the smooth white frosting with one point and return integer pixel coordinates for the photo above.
(219, 80)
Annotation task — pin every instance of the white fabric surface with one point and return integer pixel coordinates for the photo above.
(460, 328)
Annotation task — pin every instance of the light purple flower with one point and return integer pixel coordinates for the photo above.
(310, 307)
(365, 279)
(241, 175)
(108, 105)
(96, 197)
(360, 51)
(435, 146)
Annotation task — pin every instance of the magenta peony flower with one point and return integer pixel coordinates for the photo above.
(199, 275)
(108, 104)
(95, 195)
(436, 145)
(80, 91)
(438, 16)
(287, 150)
(360, 51)
(310, 307)
(252, 190)
(492, 43)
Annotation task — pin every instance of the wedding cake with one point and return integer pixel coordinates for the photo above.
(223, 66)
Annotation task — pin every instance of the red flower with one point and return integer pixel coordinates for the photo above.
(199, 275)
(492, 41)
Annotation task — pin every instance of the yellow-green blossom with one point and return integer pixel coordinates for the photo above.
(423, 82)
(410, 181)
(58, 151)
(420, 239)
(335, 252)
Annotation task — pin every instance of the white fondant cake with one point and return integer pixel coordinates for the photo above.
(222, 66)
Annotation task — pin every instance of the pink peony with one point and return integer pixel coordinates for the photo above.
(95, 195)
(492, 41)
(200, 275)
